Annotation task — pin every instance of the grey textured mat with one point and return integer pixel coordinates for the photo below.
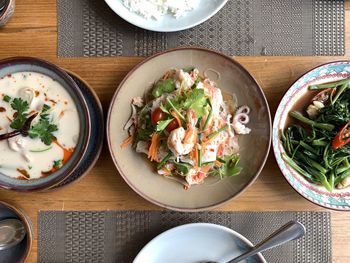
(117, 236)
(242, 27)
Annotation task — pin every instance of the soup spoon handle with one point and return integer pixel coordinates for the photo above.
(290, 231)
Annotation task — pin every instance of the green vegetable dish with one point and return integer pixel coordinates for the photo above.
(317, 142)
(188, 128)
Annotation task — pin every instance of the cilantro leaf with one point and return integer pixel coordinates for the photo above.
(163, 86)
(57, 163)
(21, 106)
(45, 108)
(44, 115)
(161, 125)
(188, 69)
(6, 98)
(164, 108)
(193, 96)
(43, 130)
(229, 166)
(199, 107)
(184, 168)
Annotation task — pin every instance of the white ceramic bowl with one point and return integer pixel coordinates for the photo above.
(196, 242)
(205, 10)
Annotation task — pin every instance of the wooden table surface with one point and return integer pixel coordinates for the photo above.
(33, 32)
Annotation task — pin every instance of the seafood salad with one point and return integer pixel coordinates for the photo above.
(188, 128)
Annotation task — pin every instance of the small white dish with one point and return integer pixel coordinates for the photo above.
(168, 23)
(195, 243)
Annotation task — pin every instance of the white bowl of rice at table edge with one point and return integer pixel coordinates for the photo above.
(166, 15)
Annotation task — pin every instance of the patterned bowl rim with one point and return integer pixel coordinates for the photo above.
(285, 169)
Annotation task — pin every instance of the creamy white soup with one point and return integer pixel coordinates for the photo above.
(45, 121)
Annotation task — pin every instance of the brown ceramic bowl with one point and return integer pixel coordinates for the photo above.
(7, 11)
(22, 64)
(20, 252)
(140, 174)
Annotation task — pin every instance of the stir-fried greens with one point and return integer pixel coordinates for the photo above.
(318, 146)
(184, 125)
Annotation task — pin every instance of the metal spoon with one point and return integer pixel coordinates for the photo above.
(3, 4)
(12, 232)
(290, 231)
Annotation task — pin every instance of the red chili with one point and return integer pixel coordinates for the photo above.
(342, 138)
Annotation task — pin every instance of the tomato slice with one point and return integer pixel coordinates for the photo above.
(172, 125)
(342, 138)
(157, 115)
(324, 95)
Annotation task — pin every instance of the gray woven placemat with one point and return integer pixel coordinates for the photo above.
(117, 236)
(242, 27)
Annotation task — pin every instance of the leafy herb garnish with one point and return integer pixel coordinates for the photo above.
(163, 86)
(57, 163)
(43, 129)
(229, 166)
(21, 106)
(161, 125)
(6, 98)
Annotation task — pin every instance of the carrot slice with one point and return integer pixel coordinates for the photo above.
(126, 142)
(211, 139)
(166, 75)
(153, 149)
(217, 163)
(196, 157)
(177, 118)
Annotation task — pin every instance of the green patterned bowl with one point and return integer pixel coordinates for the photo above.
(339, 199)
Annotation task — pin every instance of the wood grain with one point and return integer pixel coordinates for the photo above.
(33, 32)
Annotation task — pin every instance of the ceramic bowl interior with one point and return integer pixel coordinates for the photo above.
(10, 66)
(20, 252)
(140, 174)
(212, 242)
(295, 98)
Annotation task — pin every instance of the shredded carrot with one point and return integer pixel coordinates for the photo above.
(177, 118)
(153, 149)
(205, 169)
(221, 149)
(167, 172)
(166, 76)
(217, 163)
(192, 154)
(205, 143)
(211, 139)
(196, 157)
(126, 142)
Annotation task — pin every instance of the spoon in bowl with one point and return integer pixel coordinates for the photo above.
(290, 231)
(3, 4)
(12, 232)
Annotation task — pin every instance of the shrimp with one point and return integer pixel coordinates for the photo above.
(181, 141)
(215, 95)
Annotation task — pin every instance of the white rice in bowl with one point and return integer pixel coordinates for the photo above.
(157, 8)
